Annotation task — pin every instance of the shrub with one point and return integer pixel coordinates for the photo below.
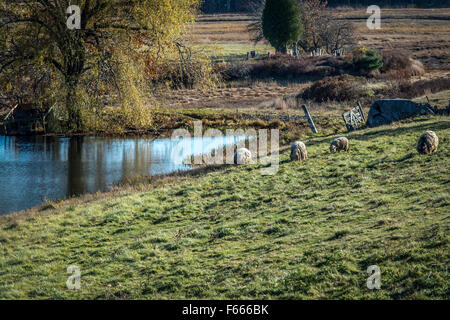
(279, 67)
(284, 67)
(340, 88)
(397, 65)
(407, 90)
(236, 70)
(367, 60)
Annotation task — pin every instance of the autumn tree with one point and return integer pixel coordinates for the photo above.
(35, 39)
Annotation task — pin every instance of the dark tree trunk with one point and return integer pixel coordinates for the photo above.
(283, 50)
(73, 109)
(75, 60)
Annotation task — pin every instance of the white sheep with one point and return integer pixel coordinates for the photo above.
(298, 151)
(428, 143)
(339, 144)
(242, 156)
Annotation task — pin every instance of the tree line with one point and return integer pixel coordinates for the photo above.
(218, 6)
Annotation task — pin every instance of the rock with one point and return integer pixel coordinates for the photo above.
(387, 111)
(298, 151)
(242, 156)
(428, 143)
(339, 144)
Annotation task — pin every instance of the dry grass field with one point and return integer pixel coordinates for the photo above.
(424, 34)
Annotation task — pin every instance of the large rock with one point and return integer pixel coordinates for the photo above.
(391, 110)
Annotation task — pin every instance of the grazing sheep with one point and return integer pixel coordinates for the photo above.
(339, 144)
(242, 156)
(428, 143)
(298, 151)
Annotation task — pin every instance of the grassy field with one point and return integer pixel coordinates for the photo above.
(308, 232)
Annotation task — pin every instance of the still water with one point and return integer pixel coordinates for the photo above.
(36, 169)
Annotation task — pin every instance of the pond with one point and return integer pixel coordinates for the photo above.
(36, 169)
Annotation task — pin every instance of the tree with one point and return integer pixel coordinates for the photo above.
(314, 22)
(281, 23)
(34, 34)
(321, 29)
(255, 9)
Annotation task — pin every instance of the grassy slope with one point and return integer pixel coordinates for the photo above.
(309, 231)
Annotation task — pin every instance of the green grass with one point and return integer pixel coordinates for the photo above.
(235, 51)
(308, 232)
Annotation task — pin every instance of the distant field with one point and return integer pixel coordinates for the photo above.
(422, 32)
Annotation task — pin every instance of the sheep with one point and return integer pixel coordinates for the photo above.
(298, 151)
(242, 156)
(339, 144)
(428, 143)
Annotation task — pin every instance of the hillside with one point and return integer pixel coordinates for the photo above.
(308, 232)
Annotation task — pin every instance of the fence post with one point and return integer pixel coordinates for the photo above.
(310, 120)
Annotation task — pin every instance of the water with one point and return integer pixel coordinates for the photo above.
(36, 169)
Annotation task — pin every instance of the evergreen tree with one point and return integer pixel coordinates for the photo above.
(281, 23)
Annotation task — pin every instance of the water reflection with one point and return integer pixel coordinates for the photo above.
(35, 169)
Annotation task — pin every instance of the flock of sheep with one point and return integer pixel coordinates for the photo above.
(428, 143)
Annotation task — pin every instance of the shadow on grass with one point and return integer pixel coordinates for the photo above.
(394, 161)
(386, 131)
(394, 131)
(191, 173)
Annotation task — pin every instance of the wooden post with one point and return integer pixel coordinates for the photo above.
(310, 120)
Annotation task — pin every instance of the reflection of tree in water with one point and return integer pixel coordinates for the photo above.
(136, 158)
(75, 181)
(99, 164)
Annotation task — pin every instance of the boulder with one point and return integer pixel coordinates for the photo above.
(390, 110)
